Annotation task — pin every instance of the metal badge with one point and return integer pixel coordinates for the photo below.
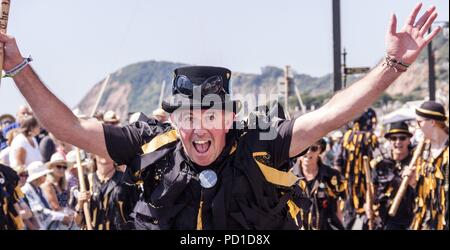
(322, 185)
(2, 181)
(208, 178)
(321, 195)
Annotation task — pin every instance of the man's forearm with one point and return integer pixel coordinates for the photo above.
(53, 114)
(353, 101)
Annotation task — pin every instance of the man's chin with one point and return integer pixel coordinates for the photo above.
(202, 160)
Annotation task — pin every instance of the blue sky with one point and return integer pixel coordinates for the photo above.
(76, 43)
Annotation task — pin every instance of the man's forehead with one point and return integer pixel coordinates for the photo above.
(24, 110)
(184, 112)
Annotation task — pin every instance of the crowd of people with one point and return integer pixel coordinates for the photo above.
(43, 173)
(332, 192)
(195, 165)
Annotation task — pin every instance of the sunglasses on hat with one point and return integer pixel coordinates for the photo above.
(183, 85)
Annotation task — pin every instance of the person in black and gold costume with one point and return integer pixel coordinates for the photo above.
(358, 141)
(431, 175)
(111, 201)
(387, 176)
(321, 188)
(204, 172)
(10, 196)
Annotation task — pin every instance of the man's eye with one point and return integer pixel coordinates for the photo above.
(211, 117)
(187, 119)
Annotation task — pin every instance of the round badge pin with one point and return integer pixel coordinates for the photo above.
(322, 185)
(208, 178)
(2, 181)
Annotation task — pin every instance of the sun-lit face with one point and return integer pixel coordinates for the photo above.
(399, 143)
(311, 156)
(425, 125)
(35, 131)
(202, 133)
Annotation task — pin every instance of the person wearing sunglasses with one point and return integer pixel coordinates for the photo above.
(387, 176)
(321, 189)
(55, 186)
(430, 174)
(202, 172)
(25, 211)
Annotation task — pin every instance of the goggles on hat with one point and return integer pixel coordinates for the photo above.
(183, 85)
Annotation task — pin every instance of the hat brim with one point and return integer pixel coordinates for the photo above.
(51, 163)
(230, 105)
(38, 175)
(7, 117)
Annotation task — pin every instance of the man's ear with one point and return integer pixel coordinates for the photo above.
(433, 122)
(228, 120)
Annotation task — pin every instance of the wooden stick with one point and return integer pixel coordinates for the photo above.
(100, 95)
(3, 27)
(404, 185)
(369, 189)
(87, 214)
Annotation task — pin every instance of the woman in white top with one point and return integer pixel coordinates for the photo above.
(24, 147)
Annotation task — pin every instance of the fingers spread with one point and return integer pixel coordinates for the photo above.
(427, 25)
(432, 35)
(425, 17)
(412, 17)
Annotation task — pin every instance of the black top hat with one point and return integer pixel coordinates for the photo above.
(431, 110)
(398, 128)
(200, 87)
(365, 120)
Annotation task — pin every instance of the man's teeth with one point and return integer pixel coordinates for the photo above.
(200, 142)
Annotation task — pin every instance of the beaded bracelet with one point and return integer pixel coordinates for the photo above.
(397, 65)
(16, 70)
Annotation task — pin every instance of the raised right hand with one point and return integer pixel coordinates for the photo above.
(12, 56)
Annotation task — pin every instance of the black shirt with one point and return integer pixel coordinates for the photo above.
(318, 199)
(242, 197)
(387, 177)
(112, 203)
(9, 195)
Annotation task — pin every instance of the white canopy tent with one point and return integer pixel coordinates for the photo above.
(405, 113)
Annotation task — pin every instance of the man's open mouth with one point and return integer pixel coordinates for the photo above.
(202, 146)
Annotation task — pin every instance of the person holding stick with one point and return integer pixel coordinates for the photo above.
(358, 142)
(431, 172)
(387, 176)
(110, 200)
(204, 173)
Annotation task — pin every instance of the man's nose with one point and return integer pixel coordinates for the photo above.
(199, 131)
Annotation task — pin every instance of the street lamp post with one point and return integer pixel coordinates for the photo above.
(337, 45)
